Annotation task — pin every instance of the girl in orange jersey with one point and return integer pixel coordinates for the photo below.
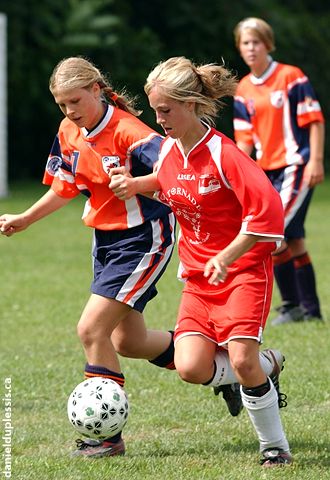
(277, 113)
(133, 240)
(231, 218)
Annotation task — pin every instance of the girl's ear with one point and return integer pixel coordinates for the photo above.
(96, 90)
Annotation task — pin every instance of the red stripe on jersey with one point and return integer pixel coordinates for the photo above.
(142, 279)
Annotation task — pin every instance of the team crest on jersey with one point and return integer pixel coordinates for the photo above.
(277, 98)
(109, 162)
(53, 164)
(208, 184)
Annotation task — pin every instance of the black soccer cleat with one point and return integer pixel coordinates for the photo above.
(232, 396)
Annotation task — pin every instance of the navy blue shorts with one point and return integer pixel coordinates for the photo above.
(128, 263)
(295, 196)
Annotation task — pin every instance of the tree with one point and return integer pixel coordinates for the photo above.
(127, 38)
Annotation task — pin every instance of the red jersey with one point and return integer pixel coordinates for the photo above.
(80, 160)
(272, 112)
(217, 191)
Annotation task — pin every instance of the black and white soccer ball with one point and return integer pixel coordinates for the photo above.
(98, 408)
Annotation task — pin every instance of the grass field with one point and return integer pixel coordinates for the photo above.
(175, 430)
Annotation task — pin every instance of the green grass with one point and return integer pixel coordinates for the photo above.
(175, 430)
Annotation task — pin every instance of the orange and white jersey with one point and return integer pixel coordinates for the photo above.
(80, 161)
(217, 192)
(272, 112)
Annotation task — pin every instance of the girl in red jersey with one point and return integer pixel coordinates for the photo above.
(133, 240)
(277, 113)
(231, 218)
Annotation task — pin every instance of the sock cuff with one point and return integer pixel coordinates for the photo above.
(301, 260)
(166, 359)
(99, 371)
(257, 403)
(283, 257)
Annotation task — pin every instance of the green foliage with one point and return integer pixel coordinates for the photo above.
(175, 431)
(126, 38)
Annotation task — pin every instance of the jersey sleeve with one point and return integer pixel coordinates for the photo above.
(144, 154)
(303, 97)
(243, 129)
(58, 171)
(262, 210)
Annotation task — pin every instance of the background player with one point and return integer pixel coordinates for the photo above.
(230, 218)
(277, 113)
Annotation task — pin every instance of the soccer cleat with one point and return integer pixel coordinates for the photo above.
(309, 317)
(232, 396)
(277, 360)
(289, 314)
(275, 457)
(90, 448)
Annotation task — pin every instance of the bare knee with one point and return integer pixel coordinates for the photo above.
(189, 371)
(125, 346)
(87, 334)
(242, 367)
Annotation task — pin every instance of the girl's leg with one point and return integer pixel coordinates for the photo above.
(132, 339)
(260, 400)
(194, 358)
(99, 319)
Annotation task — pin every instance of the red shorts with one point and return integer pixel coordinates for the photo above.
(237, 308)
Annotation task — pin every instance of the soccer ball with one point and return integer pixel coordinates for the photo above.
(98, 408)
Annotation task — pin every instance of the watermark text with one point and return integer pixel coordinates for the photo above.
(7, 427)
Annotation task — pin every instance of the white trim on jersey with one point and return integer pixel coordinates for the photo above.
(242, 125)
(215, 147)
(135, 276)
(286, 194)
(291, 146)
(64, 177)
(100, 126)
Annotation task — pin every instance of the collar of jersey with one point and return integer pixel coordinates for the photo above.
(201, 140)
(88, 134)
(260, 80)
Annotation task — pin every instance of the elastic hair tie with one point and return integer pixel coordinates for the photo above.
(114, 97)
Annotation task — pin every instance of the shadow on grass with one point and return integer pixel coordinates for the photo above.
(312, 453)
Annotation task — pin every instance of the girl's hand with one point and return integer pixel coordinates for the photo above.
(121, 183)
(10, 224)
(216, 270)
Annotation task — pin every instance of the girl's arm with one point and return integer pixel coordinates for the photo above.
(124, 186)
(47, 204)
(314, 171)
(216, 267)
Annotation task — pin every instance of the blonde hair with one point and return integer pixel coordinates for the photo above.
(260, 28)
(183, 81)
(78, 72)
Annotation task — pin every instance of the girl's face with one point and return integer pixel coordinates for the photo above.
(254, 52)
(173, 116)
(81, 105)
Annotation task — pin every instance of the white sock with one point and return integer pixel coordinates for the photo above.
(265, 417)
(224, 374)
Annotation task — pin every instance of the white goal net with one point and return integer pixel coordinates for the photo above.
(3, 106)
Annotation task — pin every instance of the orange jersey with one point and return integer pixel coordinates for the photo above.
(80, 160)
(272, 112)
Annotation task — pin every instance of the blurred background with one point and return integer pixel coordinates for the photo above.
(125, 39)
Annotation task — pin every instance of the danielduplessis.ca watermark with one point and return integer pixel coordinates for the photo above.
(7, 428)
